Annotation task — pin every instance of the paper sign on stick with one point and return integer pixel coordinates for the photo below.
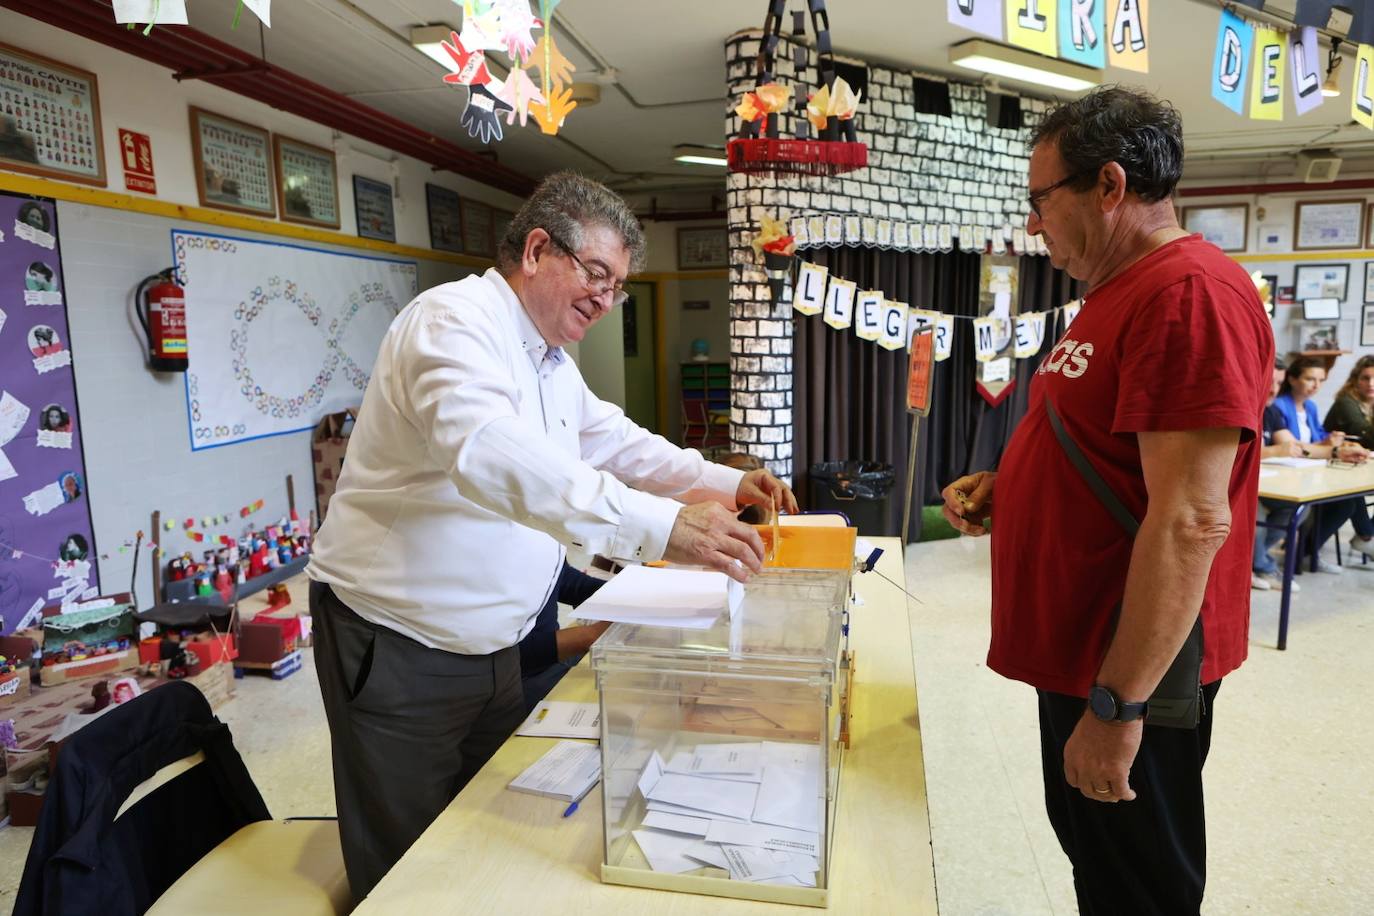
(894, 325)
(868, 315)
(918, 319)
(810, 295)
(839, 303)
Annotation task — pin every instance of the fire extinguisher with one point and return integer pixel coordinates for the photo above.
(161, 308)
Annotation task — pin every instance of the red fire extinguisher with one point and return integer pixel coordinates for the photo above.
(161, 308)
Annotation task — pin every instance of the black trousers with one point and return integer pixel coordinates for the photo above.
(1147, 856)
(408, 727)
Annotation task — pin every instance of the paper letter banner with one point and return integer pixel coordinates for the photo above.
(839, 303)
(982, 16)
(985, 338)
(1083, 31)
(282, 335)
(1304, 62)
(868, 318)
(918, 319)
(944, 337)
(1266, 98)
(1361, 107)
(1229, 63)
(1071, 310)
(1031, 25)
(894, 325)
(1030, 334)
(810, 297)
(1130, 26)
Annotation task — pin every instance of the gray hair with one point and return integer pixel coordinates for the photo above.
(562, 205)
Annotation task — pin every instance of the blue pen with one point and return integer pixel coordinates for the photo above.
(571, 809)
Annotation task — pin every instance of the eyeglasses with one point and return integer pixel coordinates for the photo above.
(1037, 196)
(597, 282)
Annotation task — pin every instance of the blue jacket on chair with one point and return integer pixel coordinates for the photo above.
(1289, 410)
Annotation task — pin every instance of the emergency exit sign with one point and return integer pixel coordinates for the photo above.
(136, 151)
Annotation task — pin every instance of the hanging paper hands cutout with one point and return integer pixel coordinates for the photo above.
(472, 65)
(556, 69)
(519, 92)
(550, 116)
(516, 24)
(480, 117)
(481, 25)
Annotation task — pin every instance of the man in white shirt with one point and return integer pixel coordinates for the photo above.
(478, 455)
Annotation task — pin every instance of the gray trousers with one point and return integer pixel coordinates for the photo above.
(408, 727)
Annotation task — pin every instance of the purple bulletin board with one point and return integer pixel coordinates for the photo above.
(47, 545)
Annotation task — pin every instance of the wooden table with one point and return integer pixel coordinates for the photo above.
(1306, 487)
(497, 851)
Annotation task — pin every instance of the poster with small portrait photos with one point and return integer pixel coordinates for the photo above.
(49, 119)
(233, 164)
(307, 183)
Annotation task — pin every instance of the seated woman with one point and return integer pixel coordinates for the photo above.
(548, 652)
(1302, 380)
(1353, 410)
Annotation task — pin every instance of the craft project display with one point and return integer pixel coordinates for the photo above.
(507, 27)
(234, 561)
(282, 334)
(46, 552)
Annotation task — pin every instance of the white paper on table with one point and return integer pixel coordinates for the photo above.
(677, 823)
(666, 808)
(718, 796)
(41, 297)
(568, 771)
(7, 470)
(13, 415)
(749, 863)
(667, 852)
(1295, 462)
(682, 763)
(262, 9)
(662, 597)
(41, 502)
(48, 438)
(765, 836)
(562, 719)
(37, 236)
(653, 771)
(161, 12)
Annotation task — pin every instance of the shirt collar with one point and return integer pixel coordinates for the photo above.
(531, 341)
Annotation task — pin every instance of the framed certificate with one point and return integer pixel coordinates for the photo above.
(233, 164)
(1367, 326)
(307, 182)
(445, 219)
(49, 119)
(702, 248)
(1322, 224)
(1226, 227)
(1320, 281)
(374, 209)
(477, 228)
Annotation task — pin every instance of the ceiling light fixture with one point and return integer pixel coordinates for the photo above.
(1023, 66)
(427, 39)
(1330, 87)
(693, 154)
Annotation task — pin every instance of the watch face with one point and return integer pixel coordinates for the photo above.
(1103, 703)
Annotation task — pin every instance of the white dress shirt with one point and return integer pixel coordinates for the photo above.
(478, 452)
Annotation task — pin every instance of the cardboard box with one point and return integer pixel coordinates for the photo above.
(213, 648)
(107, 665)
(263, 641)
(327, 446)
(14, 686)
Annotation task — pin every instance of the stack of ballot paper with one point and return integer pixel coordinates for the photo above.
(663, 597)
(752, 809)
(562, 719)
(567, 772)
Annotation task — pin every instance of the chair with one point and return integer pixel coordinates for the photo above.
(703, 427)
(152, 810)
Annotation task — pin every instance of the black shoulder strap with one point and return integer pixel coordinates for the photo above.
(1100, 489)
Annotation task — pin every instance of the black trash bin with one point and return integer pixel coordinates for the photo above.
(859, 489)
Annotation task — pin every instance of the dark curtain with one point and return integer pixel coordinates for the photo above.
(849, 394)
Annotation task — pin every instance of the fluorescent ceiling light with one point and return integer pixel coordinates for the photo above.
(427, 39)
(1023, 66)
(700, 155)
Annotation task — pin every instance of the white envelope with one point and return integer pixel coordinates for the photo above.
(677, 823)
(718, 796)
(788, 797)
(666, 808)
(764, 836)
(667, 852)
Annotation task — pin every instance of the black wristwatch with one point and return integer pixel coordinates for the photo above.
(1108, 707)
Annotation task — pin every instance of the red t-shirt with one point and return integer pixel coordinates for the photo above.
(1178, 341)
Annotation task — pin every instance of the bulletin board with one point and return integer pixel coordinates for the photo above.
(47, 544)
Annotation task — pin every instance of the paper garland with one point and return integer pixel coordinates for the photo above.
(812, 231)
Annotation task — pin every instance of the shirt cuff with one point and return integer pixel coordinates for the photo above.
(646, 523)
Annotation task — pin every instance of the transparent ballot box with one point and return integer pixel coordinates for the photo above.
(721, 748)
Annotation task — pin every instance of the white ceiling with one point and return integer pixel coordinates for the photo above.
(669, 82)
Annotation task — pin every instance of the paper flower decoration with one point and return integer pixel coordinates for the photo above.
(750, 108)
(839, 101)
(773, 238)
(767, 99)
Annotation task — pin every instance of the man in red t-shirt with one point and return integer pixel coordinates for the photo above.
(1161, 381)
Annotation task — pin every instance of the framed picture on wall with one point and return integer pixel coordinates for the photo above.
(307, 182)
(701, 248)
(1328, 224)
(500, 222)
(233, 164)
(374, 210)
(1320, 281)
(1369, 281)
(1226, 227)
(1367, 326)
(49, 119)
(445, 220)
(477, 228)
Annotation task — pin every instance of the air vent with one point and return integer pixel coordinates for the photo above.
(1318, 166)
